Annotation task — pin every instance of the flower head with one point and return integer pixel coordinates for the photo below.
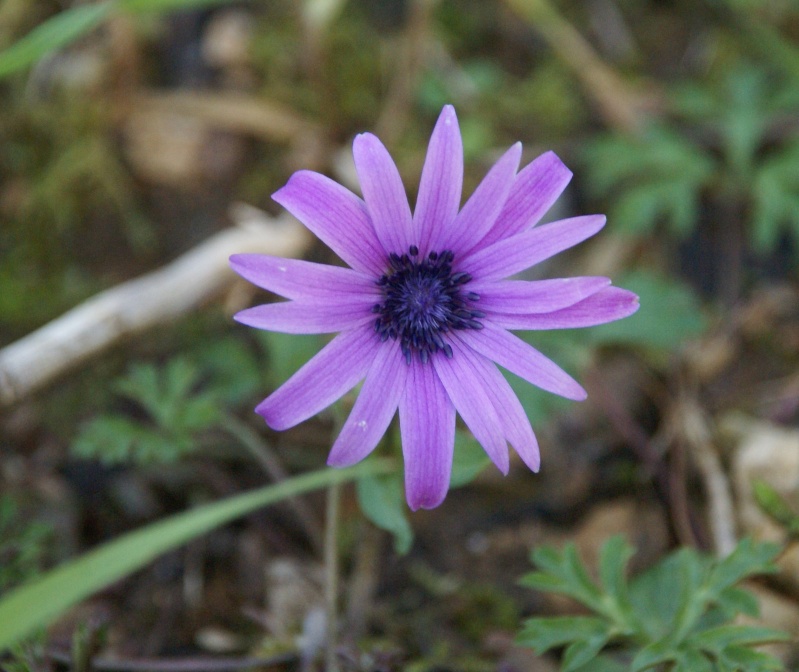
(424, 309)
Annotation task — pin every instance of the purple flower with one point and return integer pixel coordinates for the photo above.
(425, 309)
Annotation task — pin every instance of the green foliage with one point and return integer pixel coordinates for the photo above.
(23, 546)
(287, 353)
(176, 410)
(382, 501)
(652, 327)
(38, 602)
(679, 613)
(382, 498)
(772, 503)
(61, 163)
(720, 147)
(61, 30)
(659, 176)
(67, 26)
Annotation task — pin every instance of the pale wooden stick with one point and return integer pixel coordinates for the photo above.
(138, 305)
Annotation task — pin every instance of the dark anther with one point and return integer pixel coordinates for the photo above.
(422, 301)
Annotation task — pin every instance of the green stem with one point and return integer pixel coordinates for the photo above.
(37, 603)
(331, 575)
(266, 457)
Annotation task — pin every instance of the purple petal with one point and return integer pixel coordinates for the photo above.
(524, 250)
(612, 303)
(326, 377)
(336, 216)
(536, 296)
(427, 428)
(512, 417)
(464, 385)
(295, 317)
(384, 194)
(482, 208)
(534, 191)
(297, 279)
(374, 408)
(522, 359)
(441, 182)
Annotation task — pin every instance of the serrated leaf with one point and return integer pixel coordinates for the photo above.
(580, 652)
(382, 501)
(544, 582)
(578, 580)
(743, 659)
(653, 654)
(661, 594)
(603, 663)
(736, 601)
(748, 558)
(693, 661)
(545, 633)
(613, 558)
(721, 637)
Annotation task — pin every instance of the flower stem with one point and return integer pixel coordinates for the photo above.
(266, 458)
(331, 575)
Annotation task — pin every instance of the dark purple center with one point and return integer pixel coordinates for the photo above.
(422, 300)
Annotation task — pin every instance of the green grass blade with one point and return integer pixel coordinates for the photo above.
(39, 602)
(62, 29)
(136, 6)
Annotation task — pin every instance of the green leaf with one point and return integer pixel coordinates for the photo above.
(775, 506)
(736, 601)
(721, 637)
(469, 460)
(382, 501)
(747, 660)
(660, 594)
(287, 353)
(652, 326)
(37, 603)
(654, 654)
(613, 558)
(563, 573)
(747, 558)
(603, 663)
(57, 32)
(692, 661)
(136, 6)
(542, 634)
(578, 653)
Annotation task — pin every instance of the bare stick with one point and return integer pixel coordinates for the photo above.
(234, 112)
(138, 305)
(693, 426)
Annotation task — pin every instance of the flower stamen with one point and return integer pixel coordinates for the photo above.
(423, 299)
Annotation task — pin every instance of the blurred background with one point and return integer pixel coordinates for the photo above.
(140, 138)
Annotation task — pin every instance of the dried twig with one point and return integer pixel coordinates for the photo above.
(235, 112)
(691, 425)
(138, 305)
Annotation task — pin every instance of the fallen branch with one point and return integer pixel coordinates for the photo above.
(138, 305)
